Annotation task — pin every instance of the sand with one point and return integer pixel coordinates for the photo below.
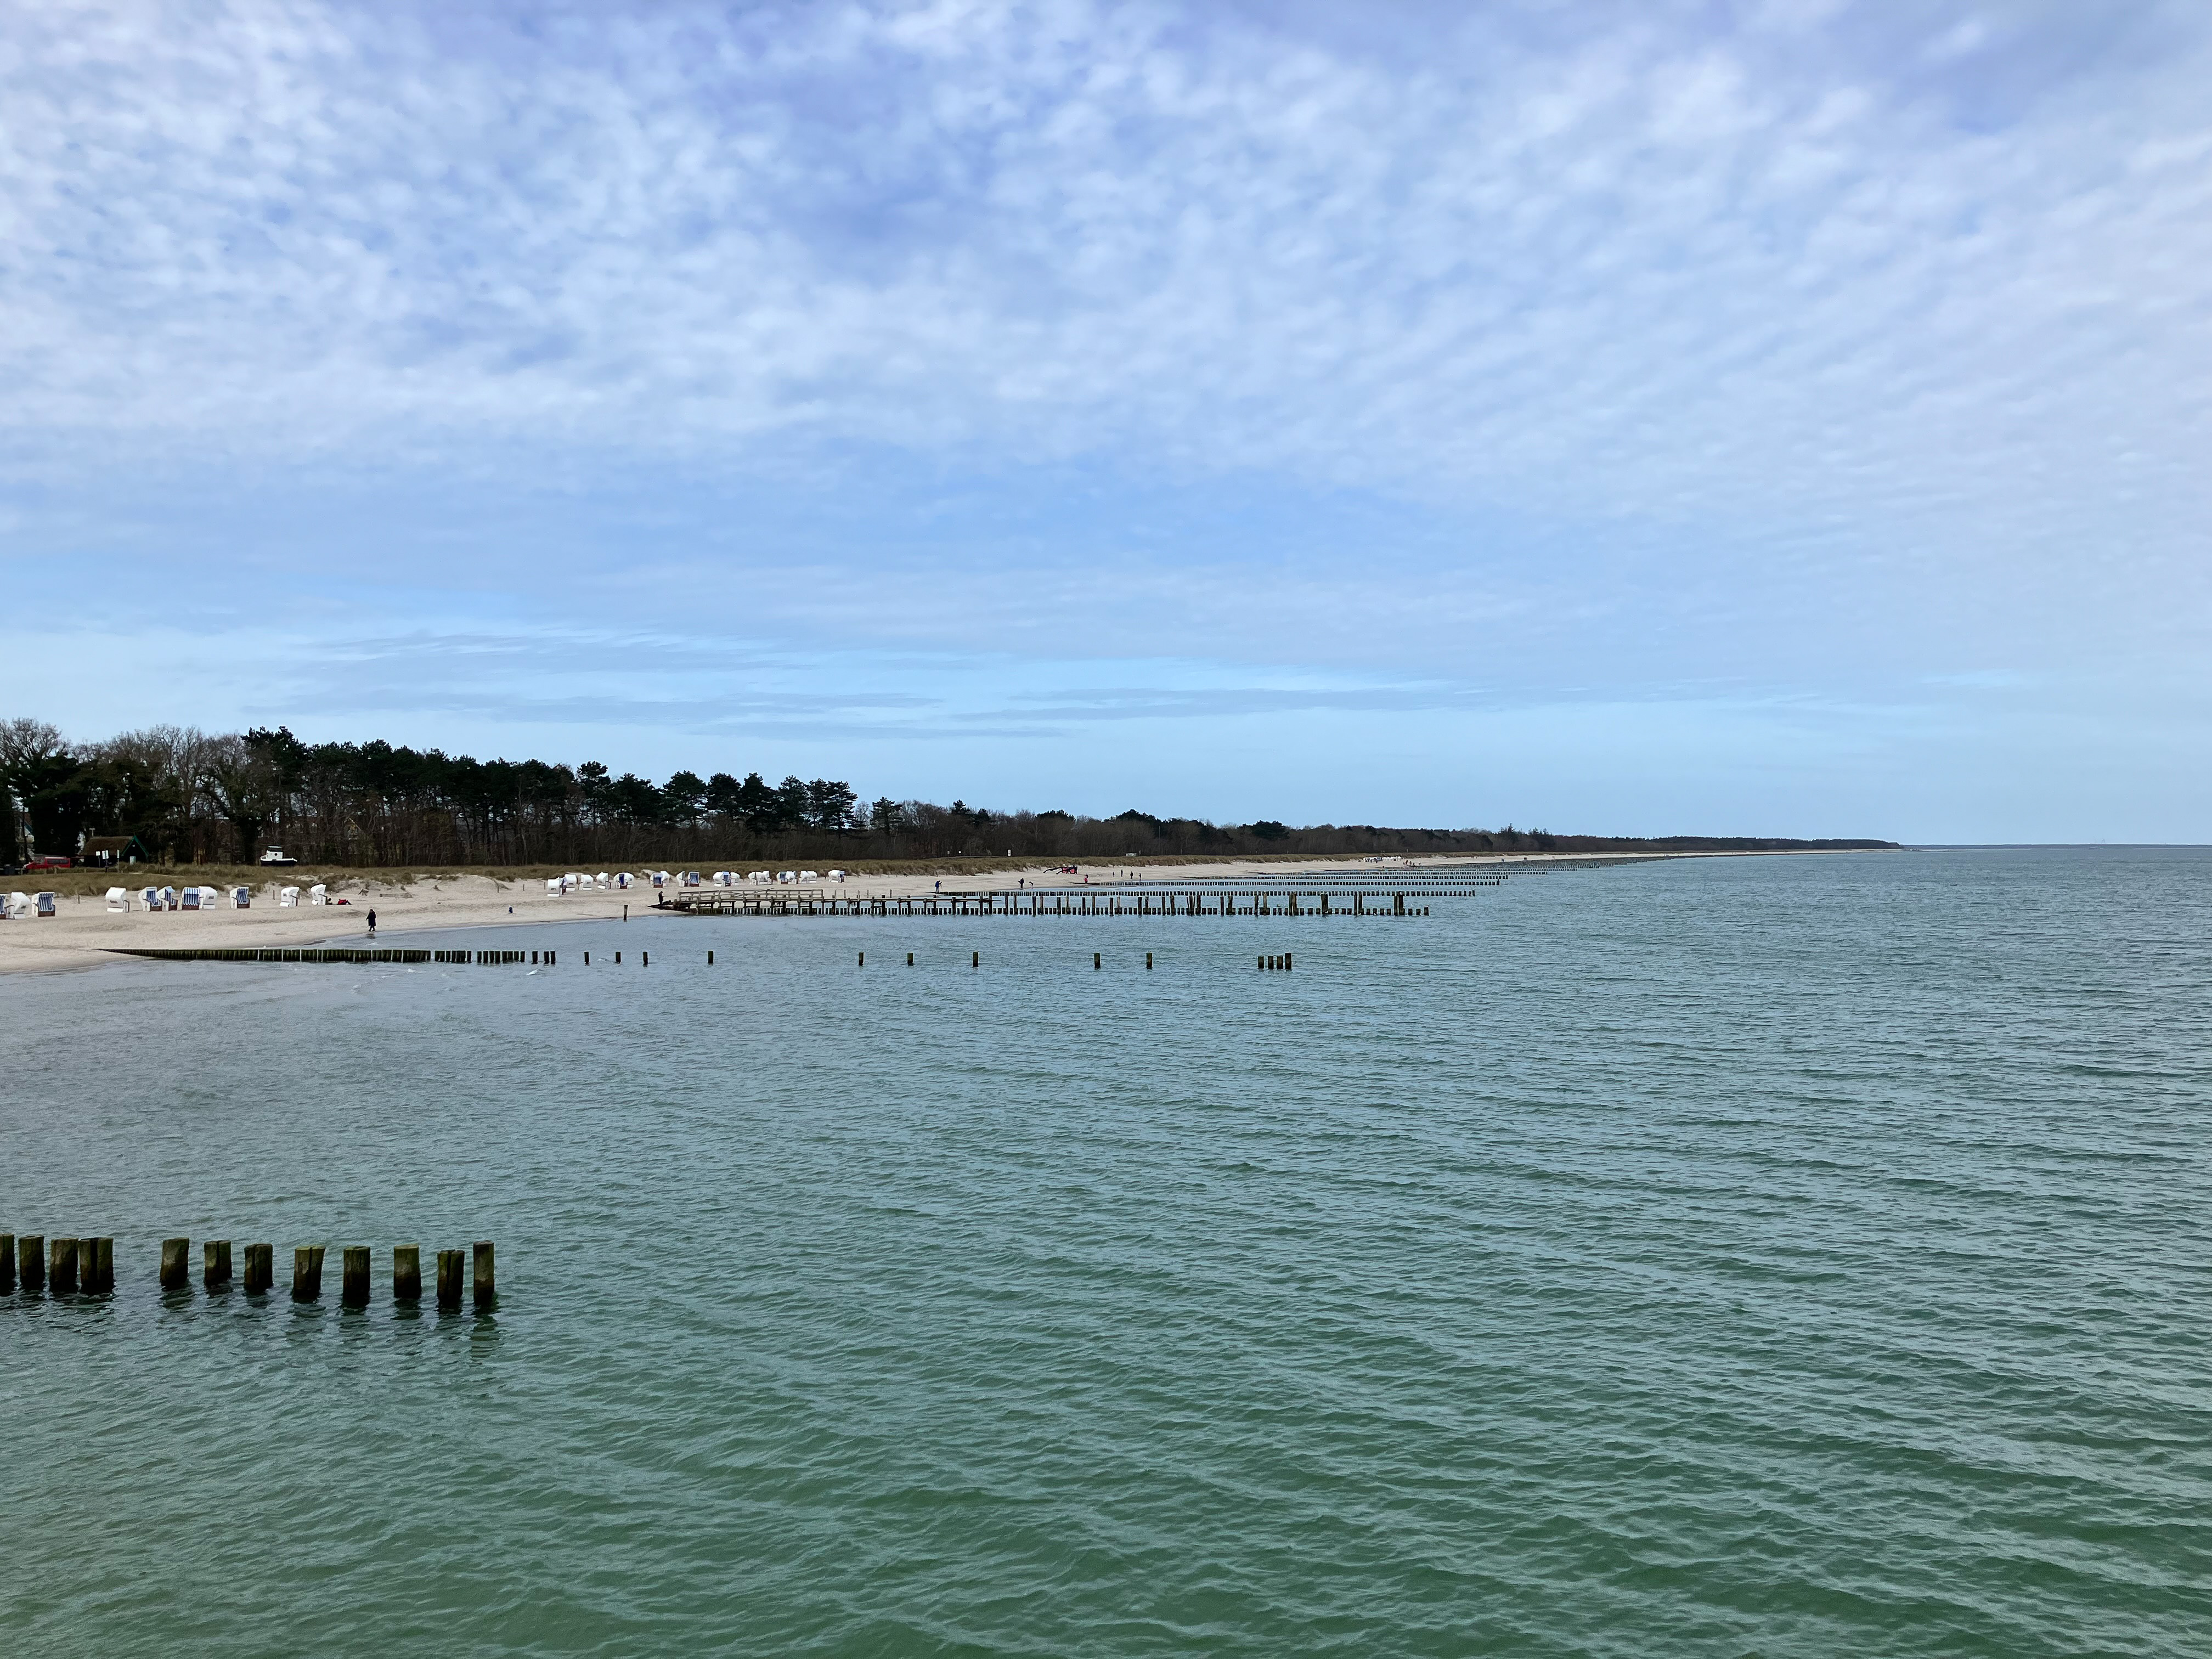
(83, 930)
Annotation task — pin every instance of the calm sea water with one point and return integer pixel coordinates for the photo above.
(1778, 1256)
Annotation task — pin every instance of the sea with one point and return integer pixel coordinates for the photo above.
(1780, 1255)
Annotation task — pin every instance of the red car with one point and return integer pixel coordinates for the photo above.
(49, 861)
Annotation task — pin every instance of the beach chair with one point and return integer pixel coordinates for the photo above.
(118, 898)
(241, 898)
(166, 899)
(319, 894)
(836, 875)
(16, 907)
(44, 901)
(287, 897)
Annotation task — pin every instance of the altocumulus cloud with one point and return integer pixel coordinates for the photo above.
(1871, 328)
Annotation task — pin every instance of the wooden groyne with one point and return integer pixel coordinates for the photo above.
(32, 1265)
(343, 954)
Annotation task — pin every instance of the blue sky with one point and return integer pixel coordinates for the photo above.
(1771, 418)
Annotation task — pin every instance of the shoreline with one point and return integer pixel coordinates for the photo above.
(84, 932)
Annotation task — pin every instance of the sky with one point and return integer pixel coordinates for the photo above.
(1784, 418)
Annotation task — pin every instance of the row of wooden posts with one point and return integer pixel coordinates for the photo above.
(86, 1267)
(731, 901)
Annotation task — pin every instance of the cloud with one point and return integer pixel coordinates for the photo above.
(1658, 266)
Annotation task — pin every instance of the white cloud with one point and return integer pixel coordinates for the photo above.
(1675, 272)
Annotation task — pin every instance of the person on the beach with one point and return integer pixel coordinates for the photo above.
(372, 922)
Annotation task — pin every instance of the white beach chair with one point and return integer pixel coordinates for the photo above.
(241, 898)
(150, 897)
(836, 875)
(287, 897)
(319, 894)
(808, 875)
(16, 907)
(118, 898)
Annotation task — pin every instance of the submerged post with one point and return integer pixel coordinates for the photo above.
(1094, 959)
(1148, 960)
(450, 1268)
(1287, 962)
(407, 1273)
(975, 958)
(31, 1262)
(260, 1269)
(215, 1263)
(7, 1264)
(306, 1272)
(97, 1258)
(864, 959)
(176, 1273)
(353, 1288)
(487, 1288)
(62, 1279)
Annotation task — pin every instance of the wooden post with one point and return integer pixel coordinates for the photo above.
(864, 959)
(176, 1273)
(353, 1288)
(710, 959)
(645, 959)
(1148, 961)
(450, 1268)
(975, 958)
(1094, 958)
(214, 1264)
(260, 1269)
(407, 1273)
(31, 1263)
(1287, 962)
(62, 1276)
(909, 958)
(486, 1289)
(306, 1272)
(7, 1264)
(97, 1256)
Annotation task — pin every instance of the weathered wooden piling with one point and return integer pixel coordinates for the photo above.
(61, 1276)
(214, 1264)
(407, 1273)
(486, 1287)
(7, 1264)
(1094, 959)
(864, 959)
(1148, 960)
(260, 1269)
(176, 1271)
(96, 1265)
(306, 1272)
(645, 959)
(353, 1286)
(31, 1263)
(1261, 962)
(909, 958)
(1287, 962)
(451, 1264)
(710, 959)
(975, 958)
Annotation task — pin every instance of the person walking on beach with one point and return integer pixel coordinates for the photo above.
(372, 924)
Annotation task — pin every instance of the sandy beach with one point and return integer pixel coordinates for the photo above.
(83, 931)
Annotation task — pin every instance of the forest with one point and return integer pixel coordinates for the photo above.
(174, 795)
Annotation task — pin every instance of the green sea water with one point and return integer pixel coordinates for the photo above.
(1776, 1256)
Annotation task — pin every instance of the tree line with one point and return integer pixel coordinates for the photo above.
(188, 797)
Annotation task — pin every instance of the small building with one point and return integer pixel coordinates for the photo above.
(109, 851)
